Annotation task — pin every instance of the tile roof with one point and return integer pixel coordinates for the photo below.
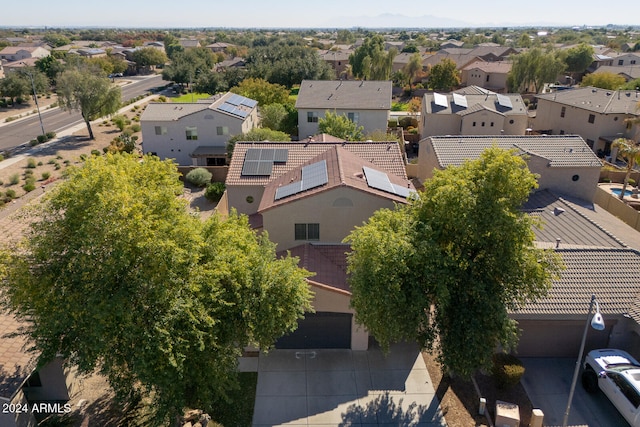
(597, 100)
(488, 99)
(16, 364)
(385, 155)
(633, 71)
(490, 67)
(612, 274)
(332, 94)
(560, 150)
(343, 169)
(329, 262)
(562, 221)
(163, 111)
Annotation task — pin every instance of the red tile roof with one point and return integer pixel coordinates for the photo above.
(329, 262)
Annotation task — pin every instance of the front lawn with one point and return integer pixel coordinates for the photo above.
(190, 97)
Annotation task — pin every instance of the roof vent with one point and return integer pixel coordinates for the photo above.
(558, 211)
(558, 242)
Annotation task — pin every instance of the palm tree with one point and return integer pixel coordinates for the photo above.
(629, 150)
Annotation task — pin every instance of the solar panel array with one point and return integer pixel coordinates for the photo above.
(233, 105)
(504, 101)
(460, 100)
(259, 161)
(380, 181)
(313, 175)
(440, 100)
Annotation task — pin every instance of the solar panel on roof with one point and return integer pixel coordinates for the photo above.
(267, 153)
(253, 154)
(402, 191)
(288, 190)
(264, 168)
(460, 100)
(250, 167)
(234, 99)
(226, 107)
(440, 100)
(377, 179)
(239, 112)
(280, 155)
(504, 101)
(314, 175)
(249, 102)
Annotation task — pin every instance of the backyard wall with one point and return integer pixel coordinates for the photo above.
(618, 208)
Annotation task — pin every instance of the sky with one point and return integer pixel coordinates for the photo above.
(306, 14)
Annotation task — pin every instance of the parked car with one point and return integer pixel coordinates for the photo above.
(617, 374)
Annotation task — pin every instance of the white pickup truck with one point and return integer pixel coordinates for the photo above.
(617, 374)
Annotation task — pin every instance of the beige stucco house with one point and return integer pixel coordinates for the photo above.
(18, 53)
(366, 103)
(196, 133)
(489, 75)
(338, 60)
(565, 164)
(626, 59)
(599, 116)
(462, 113)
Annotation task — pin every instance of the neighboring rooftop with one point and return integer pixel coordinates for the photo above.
(460, 101)
(341, 94)
(329, 262)
(560, 150)
(228, 103)
(597, 100)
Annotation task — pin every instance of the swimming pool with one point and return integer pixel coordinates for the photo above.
(617, 192)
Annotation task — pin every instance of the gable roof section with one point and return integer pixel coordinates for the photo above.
(499, 67)
(597, 100)
(560, 220)
(488, 99)
(630, 71)
(343, 169)
(385, 155)
(329, 262)
(610, 273)
(559, 150)
(164, 111)
(342, 94)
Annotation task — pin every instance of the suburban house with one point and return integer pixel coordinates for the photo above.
(189, 43)
(489, 75)
(236, 62)
(308, 197)
(338, 60)
(626, 59)
(220, 47)
(465, 112)
(17, 53)
(565, 164)
(367, 103)
(196, 133)
(21, 383)
(90, 52)
(629, 72)
(597, 115)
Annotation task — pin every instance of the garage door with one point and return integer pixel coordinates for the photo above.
(558, 338)
(319, 330)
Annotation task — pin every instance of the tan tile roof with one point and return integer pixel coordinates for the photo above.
(329, 262)
(559, 150)
(597, 100)
(341, 94)
(16, 364)
(490, 67)
(385, 155)
(343, 168)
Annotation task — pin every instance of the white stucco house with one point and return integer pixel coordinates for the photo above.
(366, 103)
(196, 134)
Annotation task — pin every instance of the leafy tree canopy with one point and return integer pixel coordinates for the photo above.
(535, 67)
(449, 266)
(262, 91)
(340, 126)
(256, 134)
(370, 61)
(579, 58)
(117, 276)
(149, 56)
(444, 75)
(603, 80)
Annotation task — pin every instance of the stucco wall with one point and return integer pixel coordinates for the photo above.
(237, 197)
(337, 211)
(560, 180)
(371, 120)
(54, 383)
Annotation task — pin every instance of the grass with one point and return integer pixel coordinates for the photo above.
(238, 411)
(188, 97)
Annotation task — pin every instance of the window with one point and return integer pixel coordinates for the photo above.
(561, 131)
(633, 62)
(491, 124)
(563, 111)
(592, 118)
(307, 231)
(511, 121)
(222, 130)
(482, 124)
(312, 117)
(474, 123)
(161, 130)
(487, 77)
(216, 161)
(192, 133)
(353, 117)
(620, 61)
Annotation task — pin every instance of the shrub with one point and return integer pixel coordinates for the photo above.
(39, 163)
(51, 162)
(31, 164)
(95, 152)
(11, 193)
(406, 122)
(506, 370)
(14, 179)
(1, 157)
(56, 166)
(29, 186)
(136, 127)
(33, 142)
(83, 157)
(46, 175)
(50, 135)
(631, 182)
(42, 138)
(199, 177)
(120, 121)
(214, 191)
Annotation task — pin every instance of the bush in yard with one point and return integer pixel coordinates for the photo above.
(119, 121)
(29, 186)
(11, 194)
(407, 121)
(214, 191)
(14, 179)
(506, 370)
(199, 177)
(42, 138)
(46, 175)
(31, 163)
(50, 135)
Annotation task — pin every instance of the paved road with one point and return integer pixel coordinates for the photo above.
(22, 131)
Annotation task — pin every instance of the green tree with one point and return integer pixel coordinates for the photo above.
(603, 80)
(50, 66)
(91, 94)
(578, 58)
(629, 151)
(18, 84)
(449, 266)
(444, 75)
(534, 68)
(262, 91)
(370, 61)
(273, 116)
(340, 126)
(148, 57)
(413, 67)
(117, 277)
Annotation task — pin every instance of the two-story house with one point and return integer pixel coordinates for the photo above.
(465, 112)
(489, 75)
(196, 134)
(599, 116)
(18, 53)
(366, 103)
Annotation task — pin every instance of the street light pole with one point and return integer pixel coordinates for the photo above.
(597, 323)
(35, 98)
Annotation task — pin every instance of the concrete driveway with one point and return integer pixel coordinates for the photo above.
(547, 382)
(345, 388)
